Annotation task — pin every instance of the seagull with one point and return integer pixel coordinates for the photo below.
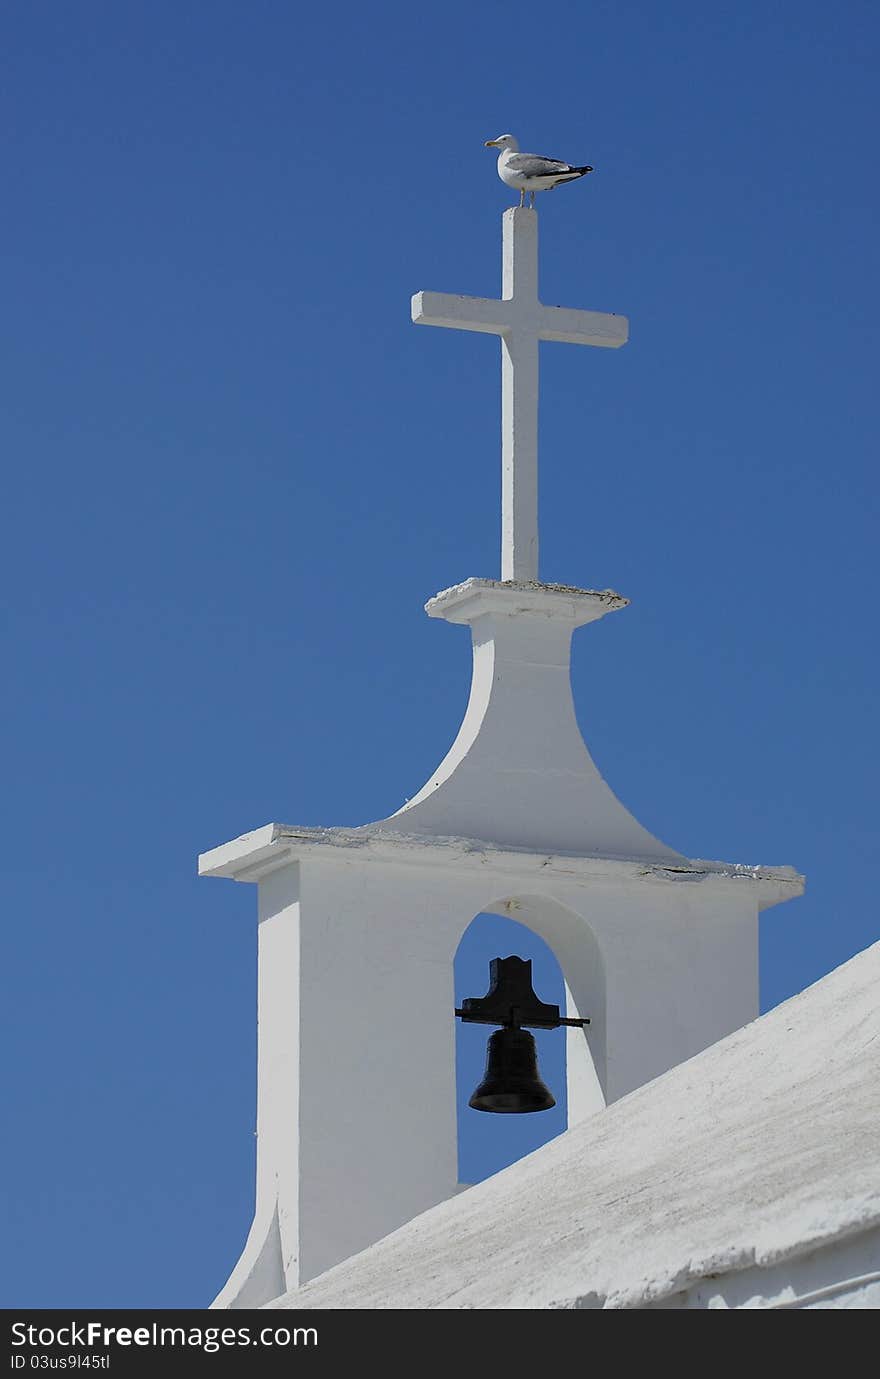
(529, 172)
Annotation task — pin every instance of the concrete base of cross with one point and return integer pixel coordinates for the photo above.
(518, 773)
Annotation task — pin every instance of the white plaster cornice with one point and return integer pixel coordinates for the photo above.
(256, 854)
(562, 602)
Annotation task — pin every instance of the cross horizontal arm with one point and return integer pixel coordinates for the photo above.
(485, 314)
(582, 327)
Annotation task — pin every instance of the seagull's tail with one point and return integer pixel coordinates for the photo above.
(571, 176)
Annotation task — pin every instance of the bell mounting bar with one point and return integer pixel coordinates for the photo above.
(511, 1000)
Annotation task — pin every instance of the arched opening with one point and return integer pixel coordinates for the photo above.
(488, 1143)
(571, 1061)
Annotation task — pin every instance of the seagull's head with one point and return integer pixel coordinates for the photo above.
(504, 141)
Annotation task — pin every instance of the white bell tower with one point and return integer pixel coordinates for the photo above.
(358, 928)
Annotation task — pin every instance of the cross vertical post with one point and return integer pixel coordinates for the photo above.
(522, 321)
(519, 401)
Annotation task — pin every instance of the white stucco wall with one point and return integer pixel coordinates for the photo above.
(843, 1274)
(356, 1107)
(746, 1177)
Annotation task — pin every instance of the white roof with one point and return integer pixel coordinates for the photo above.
(760, 1148)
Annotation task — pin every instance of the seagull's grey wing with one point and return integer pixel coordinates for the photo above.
(533, 165)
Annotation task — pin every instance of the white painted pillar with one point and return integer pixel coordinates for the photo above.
(356, 1121)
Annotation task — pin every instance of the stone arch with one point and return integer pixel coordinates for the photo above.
(574, 945)
(576, 948)
(486, 1144)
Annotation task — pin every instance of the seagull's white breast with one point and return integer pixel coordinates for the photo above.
(508, 176)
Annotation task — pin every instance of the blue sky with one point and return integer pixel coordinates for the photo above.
(234, 472)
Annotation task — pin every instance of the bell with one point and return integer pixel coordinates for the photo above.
(511, 1082)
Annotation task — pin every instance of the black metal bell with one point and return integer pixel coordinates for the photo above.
(511, 1082)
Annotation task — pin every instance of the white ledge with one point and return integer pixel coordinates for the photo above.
(474, 597)
(255, 854)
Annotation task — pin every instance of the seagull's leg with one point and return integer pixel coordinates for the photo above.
(522, 198)
(533, 200)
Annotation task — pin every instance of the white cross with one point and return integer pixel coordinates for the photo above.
(521, 320)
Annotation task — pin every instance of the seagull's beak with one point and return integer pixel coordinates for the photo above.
(491, 143)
